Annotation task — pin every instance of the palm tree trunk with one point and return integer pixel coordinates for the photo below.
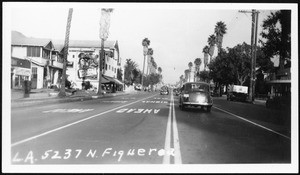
(102, 56)
(142, 81)
(62, 92)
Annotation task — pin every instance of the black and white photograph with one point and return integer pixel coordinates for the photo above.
(149, 87)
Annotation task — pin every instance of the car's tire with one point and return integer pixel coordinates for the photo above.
(208, 108)
(182, 107)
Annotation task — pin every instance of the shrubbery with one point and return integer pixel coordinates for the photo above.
(86, 85)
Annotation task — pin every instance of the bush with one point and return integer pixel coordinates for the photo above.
(68, 84)
(87, 85)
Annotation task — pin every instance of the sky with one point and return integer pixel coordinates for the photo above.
(177, 31)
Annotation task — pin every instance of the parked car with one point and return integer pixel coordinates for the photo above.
(236, 92)
(195, 94)
(164, 90)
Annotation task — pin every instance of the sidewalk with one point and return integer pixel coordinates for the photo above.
(255, 102)
(257, 112)
(48, 96)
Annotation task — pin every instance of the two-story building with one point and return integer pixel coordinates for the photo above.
(45, 61)
(83, 59)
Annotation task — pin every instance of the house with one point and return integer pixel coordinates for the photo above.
(45, 61)
(280, 82)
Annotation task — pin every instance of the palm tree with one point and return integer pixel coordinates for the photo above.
(190, 68)
(181, 79)
(220, 30)
(149, 61)
(206, 53)
(145, 44)
(129, 67)
(190, 65)
(159, 71)
(152, 65)
(197, 63)
(211, 42)
(186, 73)
(62, 92)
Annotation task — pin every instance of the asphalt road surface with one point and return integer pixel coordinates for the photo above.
(142, 128)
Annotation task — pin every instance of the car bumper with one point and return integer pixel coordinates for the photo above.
(197, 104)
(165, 93)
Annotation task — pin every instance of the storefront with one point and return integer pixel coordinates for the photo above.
(20, 71)
(114, 84)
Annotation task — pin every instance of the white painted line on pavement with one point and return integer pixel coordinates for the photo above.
(166, 159)
(172, 124)
(74, 123)
(175, 135)
(253, 123)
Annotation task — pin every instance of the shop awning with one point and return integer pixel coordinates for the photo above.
(113, 80)
(118, 81)
(104, 80)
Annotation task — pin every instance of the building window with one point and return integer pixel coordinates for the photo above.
(109, 67)
(34, 70)
(33, 51)
(73, 56)
(105, 66)
(19, 80)
(46, 54)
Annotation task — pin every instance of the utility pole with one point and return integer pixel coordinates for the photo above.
(253, 52)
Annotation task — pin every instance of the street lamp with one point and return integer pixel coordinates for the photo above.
(104, 32)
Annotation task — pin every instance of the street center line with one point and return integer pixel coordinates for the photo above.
(252, 123)
(166, 159)
(73, 123)
(175, 136)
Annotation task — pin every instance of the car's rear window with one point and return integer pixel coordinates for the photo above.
(164, 88)
(197, 87)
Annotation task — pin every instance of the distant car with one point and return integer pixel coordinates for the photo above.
(138, 87)
(195, 94)
(164, 90)
(176, 91)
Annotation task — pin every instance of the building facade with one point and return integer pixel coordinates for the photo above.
(45, 61)
(83, 60)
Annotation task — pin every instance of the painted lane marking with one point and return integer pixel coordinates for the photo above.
(130, 98)
(166, 159)
(158, 98)
(138, 111)
(74, 123)
(154, 102)
(252, 123)
(172, 123)
(175, 136)
(114, 101)
(68, 110)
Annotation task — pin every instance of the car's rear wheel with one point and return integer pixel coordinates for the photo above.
(208, 108)
(181, 106)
